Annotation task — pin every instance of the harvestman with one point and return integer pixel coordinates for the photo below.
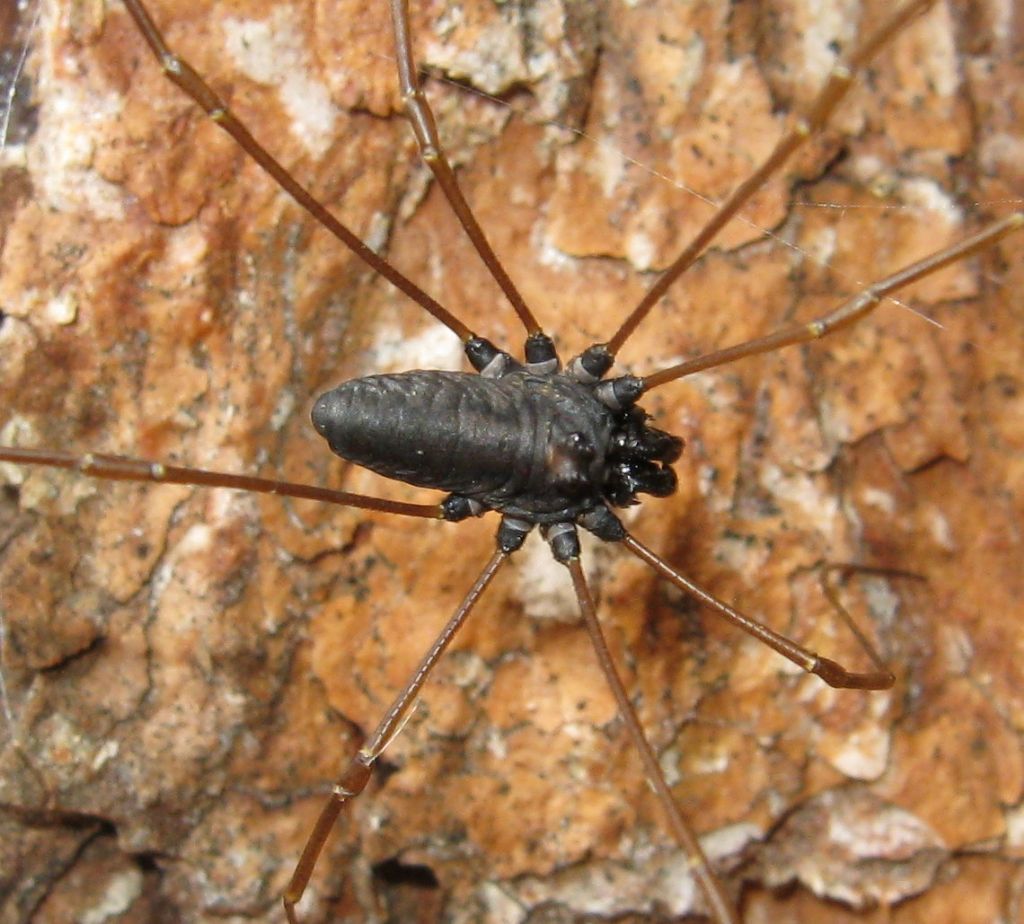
(591, 448)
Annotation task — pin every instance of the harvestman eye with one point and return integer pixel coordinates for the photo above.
(535, 440)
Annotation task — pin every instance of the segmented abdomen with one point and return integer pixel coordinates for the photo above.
(490, 439)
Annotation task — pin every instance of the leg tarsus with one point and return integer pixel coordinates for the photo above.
(833, 673)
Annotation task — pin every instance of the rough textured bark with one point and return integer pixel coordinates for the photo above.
(187, 670)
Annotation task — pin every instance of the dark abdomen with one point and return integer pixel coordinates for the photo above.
(495, 440)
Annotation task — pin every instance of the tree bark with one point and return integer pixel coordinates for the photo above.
(187, 671)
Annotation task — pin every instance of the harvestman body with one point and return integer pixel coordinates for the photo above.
(540, 444)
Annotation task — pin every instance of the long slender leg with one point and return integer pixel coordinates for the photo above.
(849, 312)
(357, 774)
(181, 73)
(821, 109)
(834, 674)
(425, 128)
(721, 908)
(844, 614)
(121, 468)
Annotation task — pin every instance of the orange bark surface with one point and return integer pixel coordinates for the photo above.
(187, 671)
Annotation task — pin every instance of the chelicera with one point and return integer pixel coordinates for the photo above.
(579, 440)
